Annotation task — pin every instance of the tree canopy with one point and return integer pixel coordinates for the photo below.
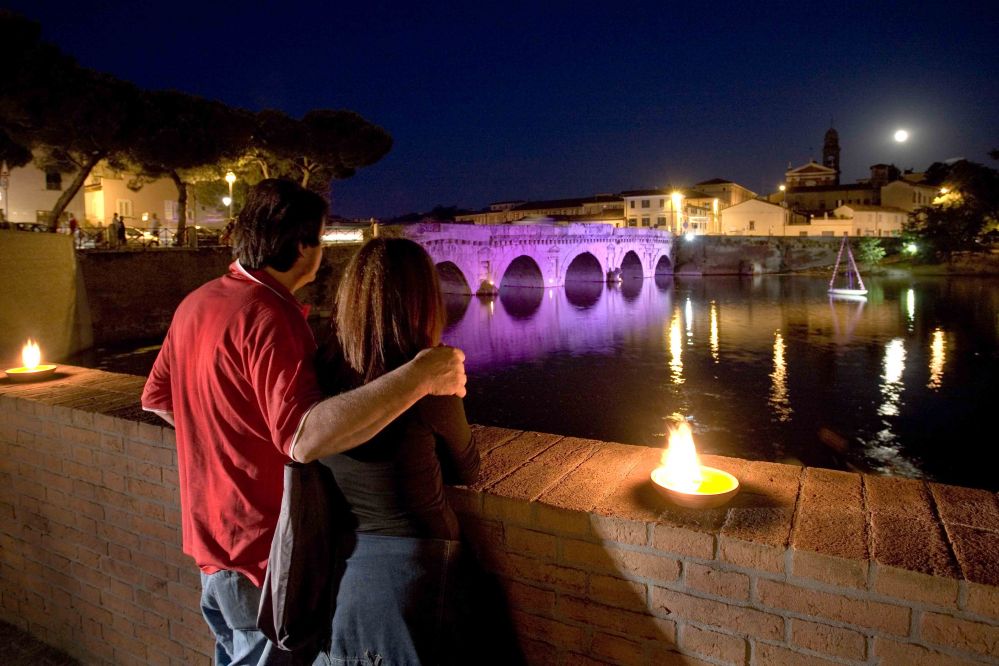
(965, 215)
(71, 118)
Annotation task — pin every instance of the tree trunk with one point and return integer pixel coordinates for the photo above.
(67, 195)
(181, 207)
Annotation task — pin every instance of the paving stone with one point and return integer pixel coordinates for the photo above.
(966, 506)
(545, 470)
(830, 517)
(510, 455)
(594, 479)
(976, 553)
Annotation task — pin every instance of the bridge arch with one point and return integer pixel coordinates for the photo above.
(453, 280)
(522, 271)
(585, 266)
(662, 265)
(631, 266)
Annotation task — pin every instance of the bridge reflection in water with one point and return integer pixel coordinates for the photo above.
(767, 367)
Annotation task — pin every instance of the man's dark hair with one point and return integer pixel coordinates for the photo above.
(278, 216)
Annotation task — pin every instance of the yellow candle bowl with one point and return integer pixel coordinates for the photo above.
(30, 374)
(717, 488)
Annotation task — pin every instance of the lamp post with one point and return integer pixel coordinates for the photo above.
(783, 217)
(677, 200)
(230, 178)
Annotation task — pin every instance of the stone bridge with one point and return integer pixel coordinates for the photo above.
(483, 258)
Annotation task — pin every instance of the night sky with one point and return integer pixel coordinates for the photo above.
(540, 100)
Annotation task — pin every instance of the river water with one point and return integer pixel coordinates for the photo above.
(766, 368)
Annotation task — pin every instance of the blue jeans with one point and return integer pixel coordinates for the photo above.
(396, 602)
(229, 604)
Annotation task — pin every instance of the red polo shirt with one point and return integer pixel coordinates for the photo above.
(236, 370)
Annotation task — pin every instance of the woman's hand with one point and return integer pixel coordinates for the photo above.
(442, 370)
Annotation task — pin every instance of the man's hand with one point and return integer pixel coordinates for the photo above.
(442, 370)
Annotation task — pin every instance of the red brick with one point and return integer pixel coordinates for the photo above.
(859, 612)
(840, 571)
(562, 578)
(683, 541)
(614, 591)
(537, 652)
(529, 542)
(526, 597)
(561, 521)
(594, 479)
(963, 635)
(507, 510)
(545, 470)
(507, 457)
(718, 583)
(890, 652)
(738, 619)
(966, 506)
(607, 558)
(765, 654)
(618, 650)
(620, 531)
(976, 553)
(725, 648)
(751, 555)
(597, 615)
(829, 640)
(981, 600)
(548, 630)
(918, 587)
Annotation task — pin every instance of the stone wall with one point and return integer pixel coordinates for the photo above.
(40, 296)
(733, 255)
(805, 566)
(133, 294)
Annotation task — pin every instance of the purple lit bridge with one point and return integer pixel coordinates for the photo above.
(482, 258)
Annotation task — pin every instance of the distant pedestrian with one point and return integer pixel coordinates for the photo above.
(113, 231)
(121, 231)
(154, 226)
(74, 229)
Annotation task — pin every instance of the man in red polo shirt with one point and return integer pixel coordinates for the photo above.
(235, 376)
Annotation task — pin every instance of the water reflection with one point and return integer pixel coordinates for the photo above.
(937, 354)
(779, 365)
(779, 402)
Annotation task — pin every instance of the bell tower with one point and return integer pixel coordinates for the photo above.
(830, 151)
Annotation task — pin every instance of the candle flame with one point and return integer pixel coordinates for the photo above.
(681, 467)
(31, 355)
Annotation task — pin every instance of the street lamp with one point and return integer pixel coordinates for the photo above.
(230, 178)
(783, 191)
(677, 200)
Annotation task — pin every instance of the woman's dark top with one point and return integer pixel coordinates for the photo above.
(394, 483)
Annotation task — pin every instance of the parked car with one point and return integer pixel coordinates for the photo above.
(38, 227)
(143, 237)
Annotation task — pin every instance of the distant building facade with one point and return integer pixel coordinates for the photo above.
(604, 208)
(32, 193)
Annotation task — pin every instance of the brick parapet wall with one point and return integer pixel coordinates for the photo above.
(804, 566)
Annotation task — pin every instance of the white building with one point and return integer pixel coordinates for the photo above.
(679, 211)
(871, 220)
(757, 217)
(907, 196)
(32, 192)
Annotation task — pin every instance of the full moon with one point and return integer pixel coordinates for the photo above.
(901, 136)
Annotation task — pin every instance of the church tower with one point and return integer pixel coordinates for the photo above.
(830, 151)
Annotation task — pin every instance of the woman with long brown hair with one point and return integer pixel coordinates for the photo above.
(396, 599)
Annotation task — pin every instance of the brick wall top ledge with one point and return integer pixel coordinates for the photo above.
(907, 538)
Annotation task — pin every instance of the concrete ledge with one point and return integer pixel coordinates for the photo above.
(805, 566)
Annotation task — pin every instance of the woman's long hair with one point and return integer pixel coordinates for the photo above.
(387, 308)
